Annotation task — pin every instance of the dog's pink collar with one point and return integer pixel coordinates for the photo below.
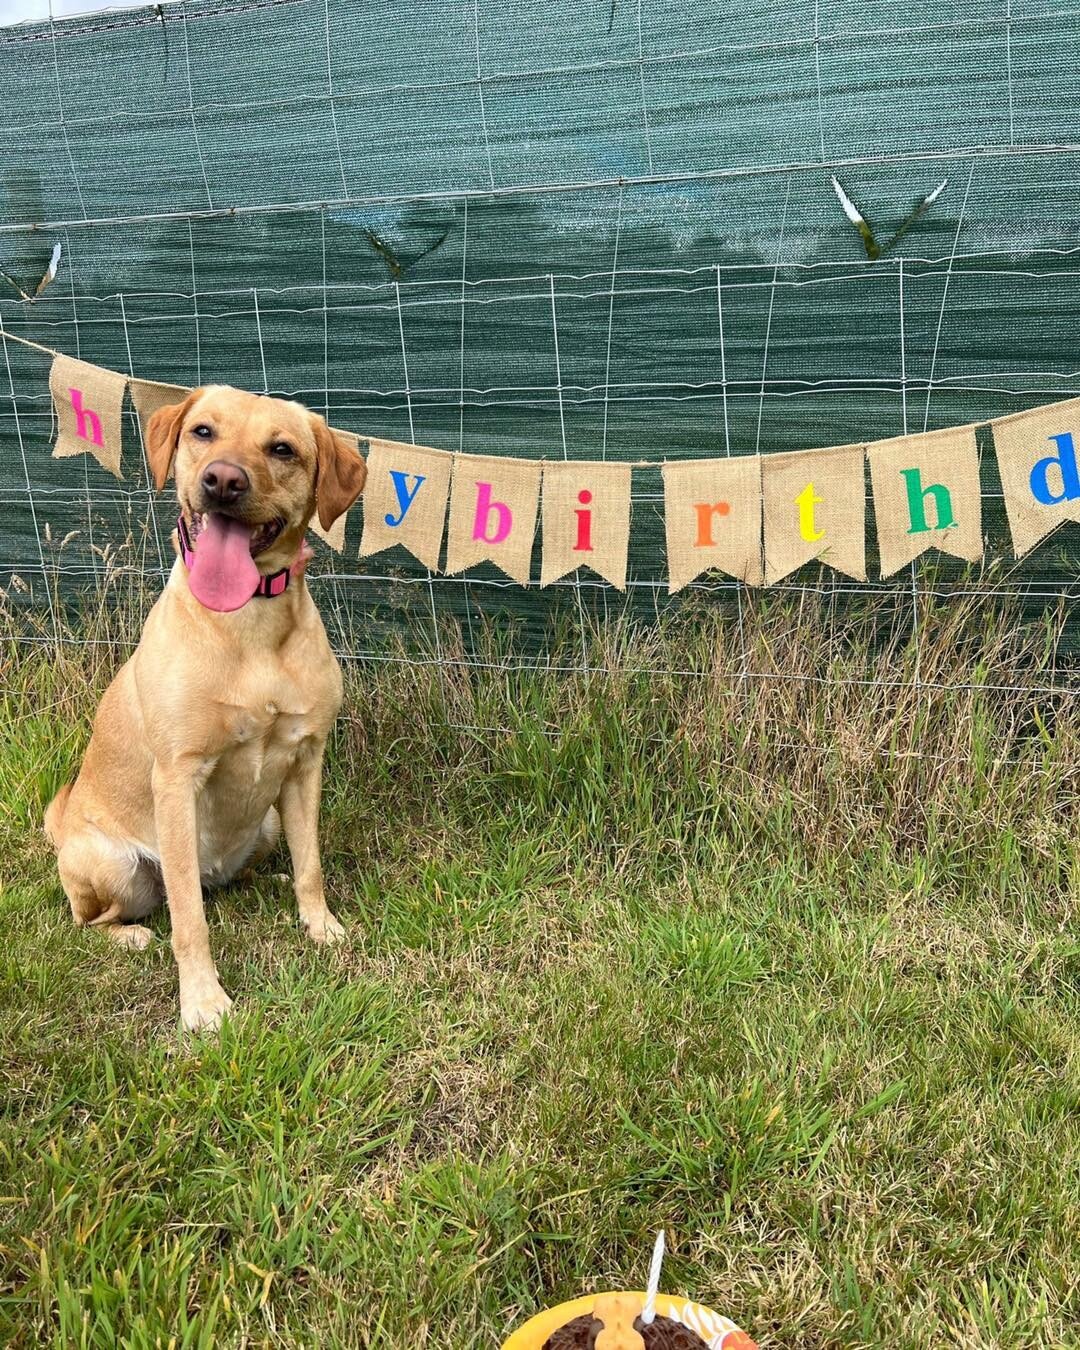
(275, 584)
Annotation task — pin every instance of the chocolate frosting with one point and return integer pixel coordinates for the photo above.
(664, 1333)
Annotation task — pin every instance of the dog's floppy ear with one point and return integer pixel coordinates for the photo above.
(341, 473)
(162, 435)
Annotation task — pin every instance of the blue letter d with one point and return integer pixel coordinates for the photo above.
(1065, 459)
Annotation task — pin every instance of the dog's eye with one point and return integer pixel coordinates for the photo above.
(282, 450)
(202, 431)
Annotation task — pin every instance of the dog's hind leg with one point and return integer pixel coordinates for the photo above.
(108, 885)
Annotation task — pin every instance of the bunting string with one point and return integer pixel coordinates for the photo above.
(753, 517)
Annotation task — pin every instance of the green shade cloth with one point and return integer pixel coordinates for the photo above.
(549, 231)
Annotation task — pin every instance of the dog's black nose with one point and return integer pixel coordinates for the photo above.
(223, 482)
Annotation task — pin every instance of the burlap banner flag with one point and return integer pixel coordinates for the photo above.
(815, 508)
(148, 397)
(585, 520)
(493, 514)
(926, 495)
(1040, 479)
(405, 500)
(89, 402)
(712, 518)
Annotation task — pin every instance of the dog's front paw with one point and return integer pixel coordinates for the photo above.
(203, 1007)
(134, 937)
(323, 928)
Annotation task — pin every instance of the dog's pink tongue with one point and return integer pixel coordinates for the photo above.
(223, 575)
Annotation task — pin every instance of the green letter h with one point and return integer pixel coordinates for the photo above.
(917, 495)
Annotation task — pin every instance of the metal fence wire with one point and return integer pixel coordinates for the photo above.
(597, 229)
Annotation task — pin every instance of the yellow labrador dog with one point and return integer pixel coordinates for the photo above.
(213, 732)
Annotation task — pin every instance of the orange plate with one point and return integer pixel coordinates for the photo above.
(719, 1333)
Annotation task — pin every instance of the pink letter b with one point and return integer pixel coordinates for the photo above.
(484, 508)
(86, 420)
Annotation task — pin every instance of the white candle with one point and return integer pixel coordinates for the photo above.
(648, 1312)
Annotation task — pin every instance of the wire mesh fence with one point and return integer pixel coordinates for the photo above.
(603, 231)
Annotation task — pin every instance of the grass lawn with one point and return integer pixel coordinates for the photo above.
(788, 967)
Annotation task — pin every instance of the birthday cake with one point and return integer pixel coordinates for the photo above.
(631, 1321)
(619, 1322)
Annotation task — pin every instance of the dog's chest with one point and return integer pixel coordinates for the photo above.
(245, 779)
(265, 742)
(266, 739)
(266, 730)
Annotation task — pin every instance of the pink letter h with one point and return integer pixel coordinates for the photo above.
(86, 420)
